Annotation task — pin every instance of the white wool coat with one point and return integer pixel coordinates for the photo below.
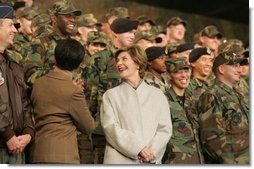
(132, 119)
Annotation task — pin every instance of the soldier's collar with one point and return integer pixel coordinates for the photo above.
(224, 86)
(173, 95)
(200, 82)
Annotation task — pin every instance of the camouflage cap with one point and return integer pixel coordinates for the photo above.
(176, 21)
(154, 52)
(87, 20)
(232, 45)
(171, 47)
(41, 19)
(197, 53)
(144, 19)
(160, 29)
(120, 12)
(26, 12)
(6, 11)
(211, 31)
(175, 64)
(96, 37)
(228, 58)
(64, 7)
(147, 35)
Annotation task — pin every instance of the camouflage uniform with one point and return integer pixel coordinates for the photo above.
(236, 46)
(242, 87)
(86, 65)
(184, 145)
(195, 88)
(151, 79)
(147, 35)
(107, 78)
(22, 42)
(224, 117)
(43, 50)
(42, 23)
(41, 58)
(224, 125)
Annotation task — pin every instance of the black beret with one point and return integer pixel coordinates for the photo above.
(197, 53)
(184, 47)
(6, 10)
(154, 52)
(18, 5)
(122, 25)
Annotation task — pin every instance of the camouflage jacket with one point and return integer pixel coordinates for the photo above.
(242, 87)
(19, 50)
(195, 88)
(151, 79)
(224, 125)
(41, 58)
(102, 76)
(184, 140)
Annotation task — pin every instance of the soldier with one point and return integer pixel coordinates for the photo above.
(145, 23)
(183, 50)
(184, 146)
(63, 17)
(223, 116)
(24, 17)
(110, 16)
(155, 75)
(171, 49)
(211, 37)
(96, 42)
(163, 35)
(236, 46)
(85, 24)
(146, 39)
(176, 28)
(201, 61)
(41, 26)
(22, 40)
(16, 127)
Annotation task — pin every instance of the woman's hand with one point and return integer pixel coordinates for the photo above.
(146, 155)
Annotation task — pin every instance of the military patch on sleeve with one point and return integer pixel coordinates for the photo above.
(182, 127)
(236, 118)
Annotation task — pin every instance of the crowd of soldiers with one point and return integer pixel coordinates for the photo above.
(210, 118)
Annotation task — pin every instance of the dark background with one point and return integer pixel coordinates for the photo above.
(230, 16)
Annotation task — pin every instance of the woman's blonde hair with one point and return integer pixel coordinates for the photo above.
(138, 55)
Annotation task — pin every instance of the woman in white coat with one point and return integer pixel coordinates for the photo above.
(135, 116)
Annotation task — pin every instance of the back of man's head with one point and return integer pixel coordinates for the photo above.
(69, 53)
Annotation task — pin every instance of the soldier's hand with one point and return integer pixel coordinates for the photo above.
(14, 145)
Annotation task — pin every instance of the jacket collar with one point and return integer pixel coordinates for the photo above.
(58, 75)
